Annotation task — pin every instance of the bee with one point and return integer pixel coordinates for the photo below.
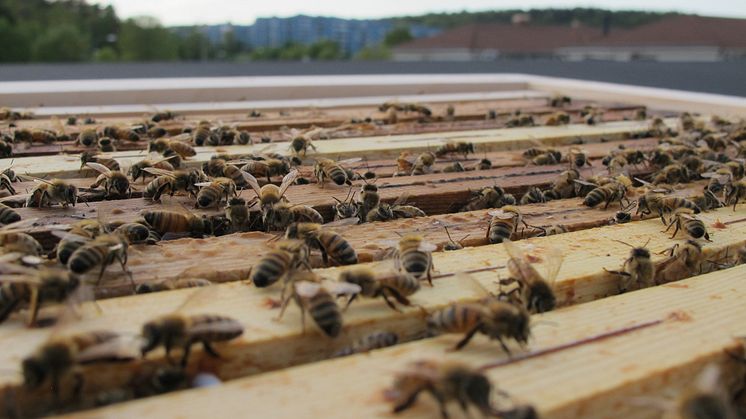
(332, 245)
(177, 222)
(707, 200)
(276, 214)
(615, 190)
(179, 330)
(6, 183)
(734, 192)
(518, 120)
(564, 186)
(683, 219)
(268, 168)
(67, 245)
(173, 284)
(280, 215)
(157, 132)
(319, 300)
(385, 212)
(672, 174)
(552, 230)
(288, 256)
(707, 398)
(88, 137)
(453, 245)
(504, 224)
(369, 199)
(490, 197)
(57, 191)
(424, 164)
(35, 136)
(558, 118)
(536, 289)
(202, 135)
(101, 252)
(238, 214)
(495, 319)
(59, 356)
(121, 133)
(243, 137)
(534, 195)
(181, 148)
(547, 158)
(347, 208)
(8, 215)
(559, 101)
(460, 147)
(684, 260)
(454, 167)
(404, 164)
(656, 201)
(373, 341)
(445, 381)
(326, 169)
(172, 181)
(115, 182)
(6, 147)
(137, 170)
(34, 288)
(617, 165)
(300, 144)
(162, 116)
(637, 270)
(578, 158)
(12, 240)
(414, 255)
(484, 164)
(135, 233)
(736, 168)
(398, 286)
(212, 193)
(88, 157)
(106, 145)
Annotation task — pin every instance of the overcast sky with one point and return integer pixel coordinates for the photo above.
(180, 12)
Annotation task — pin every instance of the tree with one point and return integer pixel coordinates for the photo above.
(325, 50)
(145, 40)
(195, 46)
(397, 36)
(14, 43)
(374, 53)
(61, 43)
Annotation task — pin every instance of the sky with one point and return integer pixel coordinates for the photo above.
(189, 12)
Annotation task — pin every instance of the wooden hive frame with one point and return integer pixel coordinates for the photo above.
(683, 326)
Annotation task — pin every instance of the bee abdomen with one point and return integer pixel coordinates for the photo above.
(326, 314)
(270, 268)
(84, 258)
(415, 262)
(214, 328)
(456, 318)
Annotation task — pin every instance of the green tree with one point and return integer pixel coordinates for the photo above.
(292, 52)
(143, 39)
(374, 53)
(325, 50)
(105, 55)
(61, 43)
(397, 36)
(195, 46)
(15, 45)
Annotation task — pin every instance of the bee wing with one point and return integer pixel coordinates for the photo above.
(288, 180)
(251, 180)
(343, 222)
(99, 168)
(240, 162)
(472, 283)
(582, 182)
(402, 199)
(71, 236)
(203, 184)
(554, 260)
(350, 160)
(158, 172)
(341, 288)
(389, 243)
(120, 348)
(427, 247)
(162, 159)
(307, 289)
(721, 178)
(198, 297)
(38, 179)
(503, 215)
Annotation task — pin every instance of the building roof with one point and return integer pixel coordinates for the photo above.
(685, 30)
(504, 37)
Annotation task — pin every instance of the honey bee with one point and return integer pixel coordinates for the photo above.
(734, 192)
(672, 174)
(617, 165)
(157, 132)
(707, 201)
(106, 145)
(173, 181)
(452, 244)
(136, 233)
(578, 158)
(6, 147)
(101, 251)
(121, 133)
(615, 190)
(175, 158)
(6, 183)
(454, 167)
(288, 256)
(552, 230)
(162, 116)
(138, 169)
(520, 120)
(319, 300)
(424, 164)
(115, 182)
(57, 191)
(392, 117)
(8, 215)
(202, 135)
(385, 212)
(326, 169)
(172, 284)
(495, 319)
(564, 186)
(547, 158)
(484, 164)
(268, 168)
(87, 137)
(180, 330)
(177, 222)
(406, 107)
(59, 356)
(214, 192)
(683, 219)
(504, 224)
(558, 118)
(276, 213)
(370, 342)
(332, 245)
(280, 215)
(398, 286)
(683, 261)
(301, 144)
(33, 288)
(35, 136)
(348, 208)
(87, 156)
(707, 398)
(67, 245)
(238, 214)
(181, 148)
(460, 147)
(656, 201)
(445, 381)
(559, 101)
(414, 255)
(490, 197)
(533, 195)
(637, 270)
(536, 290)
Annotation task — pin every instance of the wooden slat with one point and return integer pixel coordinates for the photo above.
(269, 345)
(699, 318)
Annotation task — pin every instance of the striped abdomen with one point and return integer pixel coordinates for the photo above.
(500, 229)
(338, 248)
(456, 318)
(415, 262)
(213, 328)
(270, 268)
(325, 312)
(404, 284)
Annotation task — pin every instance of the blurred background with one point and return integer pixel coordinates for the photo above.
(683, 44)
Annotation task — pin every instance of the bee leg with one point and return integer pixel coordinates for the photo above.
(351, 299)
(470, 334)
(101, 274)
(123, 262)
(78, 384)
(408, 402)
(285, 302)
(210, 350)
(441, 402)
(33, 310)
(504, 346)
(389, 303)
(185, 356)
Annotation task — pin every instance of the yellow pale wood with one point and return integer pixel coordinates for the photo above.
(700, 317)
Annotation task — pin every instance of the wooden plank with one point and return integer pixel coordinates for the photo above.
(371, 147)
(698, 319)
(268, 345)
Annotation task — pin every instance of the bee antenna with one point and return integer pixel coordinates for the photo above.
(622, 242)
